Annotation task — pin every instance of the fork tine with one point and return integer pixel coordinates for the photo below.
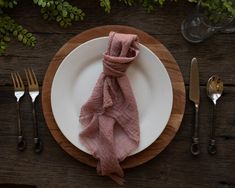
(30, 76)
(27, 76)
(17, 80)
(34, 76)
(13, 80)
(21, 84)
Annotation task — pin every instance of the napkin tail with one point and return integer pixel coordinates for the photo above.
(110, 116)
(119, 180)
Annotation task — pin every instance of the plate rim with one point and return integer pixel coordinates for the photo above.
(173, 69)
(157, 60)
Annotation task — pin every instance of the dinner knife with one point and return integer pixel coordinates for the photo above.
(194, 96)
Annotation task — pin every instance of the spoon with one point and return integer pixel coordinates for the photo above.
(214, 92)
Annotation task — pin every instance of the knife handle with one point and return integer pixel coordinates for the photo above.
(212, 147)
(195, 146)
(195, 150)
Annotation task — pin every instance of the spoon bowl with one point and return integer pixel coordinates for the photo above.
(215, 89)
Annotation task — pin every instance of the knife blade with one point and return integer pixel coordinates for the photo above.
(194, 89)
(194, 96)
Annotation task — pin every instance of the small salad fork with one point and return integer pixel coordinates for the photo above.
(19, 92)
(34, 92)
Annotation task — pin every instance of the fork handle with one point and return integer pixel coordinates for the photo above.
(35, 123)
(21, 145)
(212, 146)
(38, 145)
(18, 119)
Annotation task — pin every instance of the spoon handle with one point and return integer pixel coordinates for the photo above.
(212, 142)
(195, 150)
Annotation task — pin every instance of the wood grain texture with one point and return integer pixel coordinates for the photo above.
(174, 167)
(173, 71)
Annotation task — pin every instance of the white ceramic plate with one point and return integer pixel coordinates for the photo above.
(78, 73)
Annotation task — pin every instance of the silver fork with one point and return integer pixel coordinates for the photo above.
(34, 92)
(19, 92)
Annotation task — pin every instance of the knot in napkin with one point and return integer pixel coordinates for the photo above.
(110, 116)
(122, 50)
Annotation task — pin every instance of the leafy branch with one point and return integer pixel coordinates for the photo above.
(8, 28)
(218, 11)
(106, 5)
(60, 11)
(65, 14)
(8, 4)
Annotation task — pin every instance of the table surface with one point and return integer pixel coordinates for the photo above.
(175, 166)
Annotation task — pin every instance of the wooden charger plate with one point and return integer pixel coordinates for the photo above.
(178, 94)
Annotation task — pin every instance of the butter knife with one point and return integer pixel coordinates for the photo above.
(194, 96)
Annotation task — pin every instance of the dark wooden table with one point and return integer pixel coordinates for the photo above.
(175, 166)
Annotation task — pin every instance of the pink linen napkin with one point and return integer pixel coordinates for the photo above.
(110, 116)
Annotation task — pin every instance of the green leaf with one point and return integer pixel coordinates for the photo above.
(44, 4)
(48, 4)
(6, 38)
(69, 8)
(74, 9)
(43, 10)
(28, 43)
(55, 12)
(64, 13)
(65, 3)
(24, 31)
(59, 7)
(10, 4)
(15, 33)
(32, 38)
(20, 37)
(25, 40)
(106, 5)
(29, 35)
(40, 2)
(19, 28)
(52, 7)
(62, 23)
(3, 47)
(45, 16)
(58, 18)
(72, 16)
(77, 18)
(79, 11)
(2, 30)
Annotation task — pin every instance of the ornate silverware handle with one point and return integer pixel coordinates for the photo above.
(19, 91)
(34, 92)
(195, 150)
(38, 145)
(21, 145)
(212, 142)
